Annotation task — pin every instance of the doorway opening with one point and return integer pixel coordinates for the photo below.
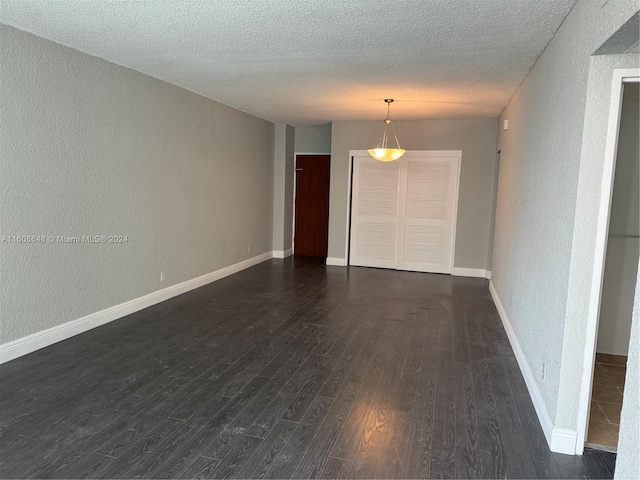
(311, 207)
(620, 250)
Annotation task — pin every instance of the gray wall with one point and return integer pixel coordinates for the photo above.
(283, 160)
(620, 272)
(92, 148)
(628, 458)
(313, 139)
(537, 190)
(476, 139)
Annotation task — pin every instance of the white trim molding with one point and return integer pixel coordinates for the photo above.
(38, 340)
(336, 262)
(558, 439)
(469, 272)
(487, 274)
(282, 254)
(563, 441)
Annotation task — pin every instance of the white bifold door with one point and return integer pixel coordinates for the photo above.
(403, 213)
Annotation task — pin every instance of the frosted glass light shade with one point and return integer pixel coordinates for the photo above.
(386, 154)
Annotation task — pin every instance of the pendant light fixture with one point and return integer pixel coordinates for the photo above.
(381, 152)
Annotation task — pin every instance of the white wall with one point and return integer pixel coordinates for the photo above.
(92, 148)
(313, 139)
(620, 273)
(476, 139)
(537, 191)
(628, 458)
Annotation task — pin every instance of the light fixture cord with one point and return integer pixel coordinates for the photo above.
(384, 137)
(394, 134)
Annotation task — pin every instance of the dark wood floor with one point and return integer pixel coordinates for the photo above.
(287, 370)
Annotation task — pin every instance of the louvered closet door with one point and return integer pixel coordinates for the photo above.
(403, 213)
(427, 210)
(374, 213)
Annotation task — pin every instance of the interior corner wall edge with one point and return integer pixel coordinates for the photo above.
(477, 140)
(537, 193)
(90, 148)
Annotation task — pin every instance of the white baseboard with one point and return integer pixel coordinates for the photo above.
(558, 439)
(564, 441)
(469, 272)
(336, 262)
(38, 340)
(282, 254)
(487, 275)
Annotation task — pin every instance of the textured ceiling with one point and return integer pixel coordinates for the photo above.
(307, 62)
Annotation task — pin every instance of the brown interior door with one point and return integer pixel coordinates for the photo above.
(312, 205)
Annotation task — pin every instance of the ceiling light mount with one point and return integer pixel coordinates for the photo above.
(382, 153)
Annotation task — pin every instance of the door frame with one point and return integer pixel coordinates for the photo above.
(295, 188)
(620, 77)
(411, 153)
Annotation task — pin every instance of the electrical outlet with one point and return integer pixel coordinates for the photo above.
(544, 372)
(162, 276)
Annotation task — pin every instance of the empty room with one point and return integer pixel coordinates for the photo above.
(301, 239)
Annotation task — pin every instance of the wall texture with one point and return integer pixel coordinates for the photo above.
(539, 166)
(92, 148)
(476, 139)
(283, 161)
(628, 458)
(620, 273)
(313, 139)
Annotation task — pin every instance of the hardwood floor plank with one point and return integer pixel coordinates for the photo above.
(490, 440)
(514, 443)
(137, 450)
(295, 351)
(482, 386)
(242, 451)
(419, 442)
(367, 461)
(202, 468)
(534, 436)
(443, 449)
(16, 456)
(314, 461)
(389, 461)
(329, 360)
(260, 405)
(214, 425)
(339, 375)
(88, 467)
(268, 451)
(285, 464)
(336, 468)
(465, 406)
